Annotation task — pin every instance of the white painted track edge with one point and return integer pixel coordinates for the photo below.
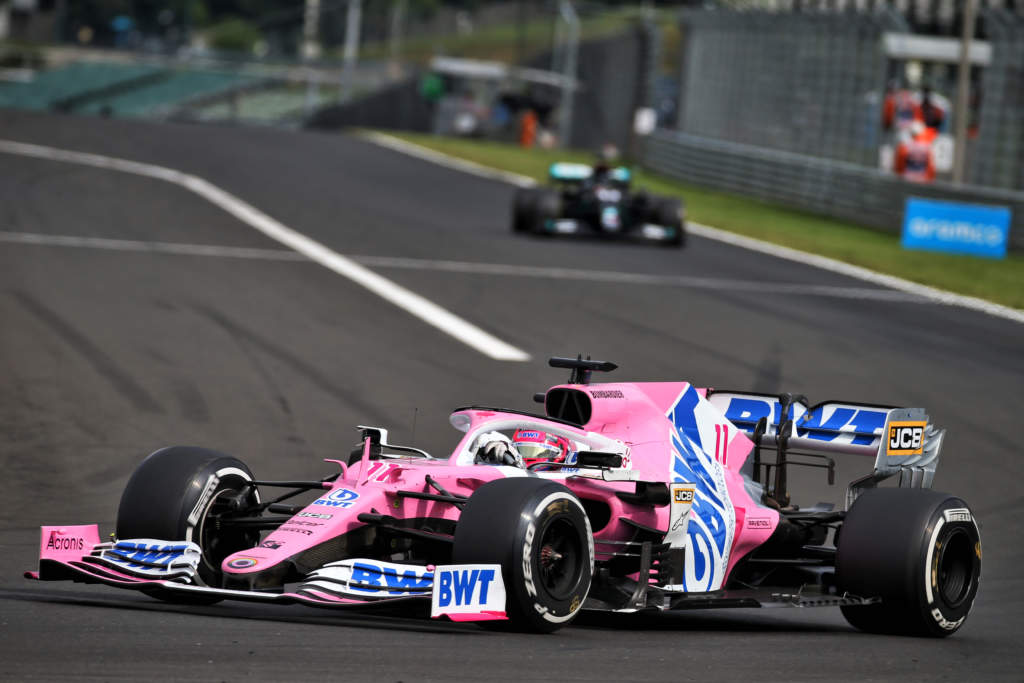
(939, 296)
(409, 301)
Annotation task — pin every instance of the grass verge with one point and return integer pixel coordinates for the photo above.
(1001, 281)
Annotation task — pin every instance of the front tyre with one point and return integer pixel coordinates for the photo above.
(920, 551)
(539, 533)
(177, 493)
(547, 209)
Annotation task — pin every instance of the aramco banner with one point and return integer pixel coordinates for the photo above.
(958, 228)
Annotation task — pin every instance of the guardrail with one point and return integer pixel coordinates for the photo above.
(843, 190)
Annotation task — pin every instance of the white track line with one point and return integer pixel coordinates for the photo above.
(933, 294)
(151, 247)
(939, 296)
(442, 159)
(618, 277)
(409, 301)
(466, 267)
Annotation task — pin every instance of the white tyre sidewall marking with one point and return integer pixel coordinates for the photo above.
(218, 476)
(527, 560)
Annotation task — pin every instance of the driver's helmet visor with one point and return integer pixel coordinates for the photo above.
(531, 450)
(536, 446)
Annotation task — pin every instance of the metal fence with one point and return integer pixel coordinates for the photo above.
(844, 190)
(613, 74)
(805, 83)
(998, 157)
(787, 107)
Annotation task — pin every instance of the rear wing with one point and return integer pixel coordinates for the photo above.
(902, 441)
(567, 172)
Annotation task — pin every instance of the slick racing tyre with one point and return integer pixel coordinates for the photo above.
(176, 493)
(919, 551)
(547, 207)
(668, 213)
(539, 534)
(524, 209)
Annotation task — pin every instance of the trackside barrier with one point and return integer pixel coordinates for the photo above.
(843, 190)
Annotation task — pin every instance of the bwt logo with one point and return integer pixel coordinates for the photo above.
(456, 588)
(905, 438)
(373, 578)
(338, 498)
(955, 231)
(155, 555)
(824, 424)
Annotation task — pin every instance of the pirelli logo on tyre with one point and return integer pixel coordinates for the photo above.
(905, 438)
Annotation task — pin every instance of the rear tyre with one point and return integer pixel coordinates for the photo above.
(668, 213)
(175, 494)
(539, 533)
(919, 551)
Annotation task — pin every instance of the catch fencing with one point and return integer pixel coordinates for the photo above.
(788, 108)
(997, 159)
(804, 83)
(849, 191)
(612, 72)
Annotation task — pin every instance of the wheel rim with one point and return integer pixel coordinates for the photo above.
(215, 541)
(955, 567)
(559, 558)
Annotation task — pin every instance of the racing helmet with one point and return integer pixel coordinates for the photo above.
(603, 164)
(537, 446)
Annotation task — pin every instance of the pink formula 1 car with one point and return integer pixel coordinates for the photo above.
(622, 497)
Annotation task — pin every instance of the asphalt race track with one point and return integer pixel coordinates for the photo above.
(111, 349)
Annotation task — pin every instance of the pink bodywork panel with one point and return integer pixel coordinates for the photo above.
(63, 543)
(632, 412)
(366, 487)
(643, 426)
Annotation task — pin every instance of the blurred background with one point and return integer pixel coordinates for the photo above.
(820, 105)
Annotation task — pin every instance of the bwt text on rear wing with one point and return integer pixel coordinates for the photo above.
(901, 440)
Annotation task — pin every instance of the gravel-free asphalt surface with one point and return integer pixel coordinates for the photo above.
(107, 354)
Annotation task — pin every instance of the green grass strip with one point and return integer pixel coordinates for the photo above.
(1001, 281)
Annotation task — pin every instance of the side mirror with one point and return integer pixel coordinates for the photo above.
(596, 459)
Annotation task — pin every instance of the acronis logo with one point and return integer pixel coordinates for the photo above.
(59, 542)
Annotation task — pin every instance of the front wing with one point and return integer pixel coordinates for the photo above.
(642, 232)
(169, 569)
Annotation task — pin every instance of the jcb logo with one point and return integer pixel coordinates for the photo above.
(905, 438)
(684, 495)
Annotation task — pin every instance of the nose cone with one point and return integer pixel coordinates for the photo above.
(308, 540)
